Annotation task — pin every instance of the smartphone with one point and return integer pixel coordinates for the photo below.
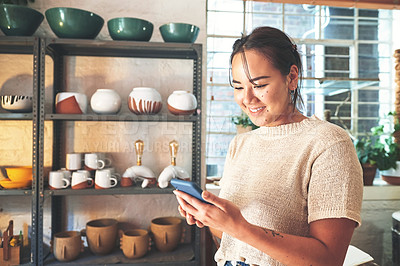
(188, 187)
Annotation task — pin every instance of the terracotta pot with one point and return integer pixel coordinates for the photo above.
(67, 245)
(167, 232)
(144, 100)
(369, 171)
(105, 101)
(182, 103)
(101, 235)
(134, 243)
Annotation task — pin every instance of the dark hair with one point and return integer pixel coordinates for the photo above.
(278, 48)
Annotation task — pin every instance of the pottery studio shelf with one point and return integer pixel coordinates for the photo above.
(15, 192)
(183, 255)
(123, 117)
(110, 191)
(16, 116)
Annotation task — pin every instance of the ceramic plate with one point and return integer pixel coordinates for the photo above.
(8, 184)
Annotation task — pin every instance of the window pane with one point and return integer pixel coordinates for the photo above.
(220, 124)
(264, 7)
(218, 60)
(224, 23)
(368, 29)
(220, 44)
(338, 11)
(223, 109)
(307, 29)
(337, 28)
(258, 20)
(217, 145)
(225, 5)
(220, 93)
(302, 9)
(218, 76)
(368, 61)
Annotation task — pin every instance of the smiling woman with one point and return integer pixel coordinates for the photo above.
(291, 190)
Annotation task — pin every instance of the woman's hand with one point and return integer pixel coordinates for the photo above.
(221, 214)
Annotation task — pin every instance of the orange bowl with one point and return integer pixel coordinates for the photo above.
(17, 174)
(8, 184)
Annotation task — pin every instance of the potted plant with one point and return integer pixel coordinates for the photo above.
(375, 151)
(243, 123)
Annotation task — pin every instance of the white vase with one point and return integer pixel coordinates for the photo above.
(143, 100)
(105, 101)
(182, 103)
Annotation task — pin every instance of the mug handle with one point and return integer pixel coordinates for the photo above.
(66, 183)
(107, 162)
(100, 164)
(90, 182)
(116, 175)
(114, 181)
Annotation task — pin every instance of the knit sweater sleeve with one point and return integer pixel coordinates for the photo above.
(335, 188)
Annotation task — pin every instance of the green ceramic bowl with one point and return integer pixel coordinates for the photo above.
(179, 32)
(130, 29)
(19, 20)
(74, 23)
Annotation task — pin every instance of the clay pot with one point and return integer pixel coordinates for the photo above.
(105, 101)
(101, 235)
(144, 100)
(134, 243)
(167, 232)
(67, 245)
(182, 103)
(71, 103)
(369, 172)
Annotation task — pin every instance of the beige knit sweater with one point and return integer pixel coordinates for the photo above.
(285, 177)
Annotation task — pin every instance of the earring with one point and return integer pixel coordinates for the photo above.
(291, 92)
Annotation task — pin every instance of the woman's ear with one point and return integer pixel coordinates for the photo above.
(293, 77)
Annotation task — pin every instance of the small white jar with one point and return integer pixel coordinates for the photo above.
(105, 101)
(182, 103)
(143, 100)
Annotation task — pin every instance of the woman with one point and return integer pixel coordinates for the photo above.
(291, 191)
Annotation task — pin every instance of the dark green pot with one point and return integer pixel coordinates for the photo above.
(19, 20)
(75, 23)
(130, 29)
(179, 32)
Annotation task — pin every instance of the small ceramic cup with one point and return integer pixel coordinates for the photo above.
(67, 245)
(134, 243)
(92, 162)
(103, 179)
(167, 232)
(81, 180)
(101, 235)
(57, 180)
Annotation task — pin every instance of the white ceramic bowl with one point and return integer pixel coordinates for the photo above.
(17, 103)
(71, 103)
(182, 103)
(105, 101)
(143, 100)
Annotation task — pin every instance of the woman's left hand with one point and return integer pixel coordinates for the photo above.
(221, 214)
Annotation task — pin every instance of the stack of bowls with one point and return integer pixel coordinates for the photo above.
(19, 20)
(67, 22)
(130, 29)
(18, 177)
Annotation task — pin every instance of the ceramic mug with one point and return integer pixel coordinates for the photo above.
(67, 245)
(73, 161)
(102, 156)
(57, 180)
(101, 235)
(134, 243)
(104, 179)
(92, 162)
(167, 232)
(67, 173)
(81, 180)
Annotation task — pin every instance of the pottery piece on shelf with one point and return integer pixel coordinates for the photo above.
(179, 32)
(167, 232)
(17, 103)
(67, 245)
(16, 20)
(143, 100)
(17, 174)
(8, 184)
(134, 243)
(102, 235)
(130, 29)
(392, 176)
(182, 103)
(105, 101)
(71, 103)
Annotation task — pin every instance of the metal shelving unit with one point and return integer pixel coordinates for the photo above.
(28, 46)
(58, 49)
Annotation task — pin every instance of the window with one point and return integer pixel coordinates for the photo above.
(347, 57)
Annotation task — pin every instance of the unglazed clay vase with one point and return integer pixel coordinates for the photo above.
(167, 232)
(144, 100)
(105, 101)
(182, 103)
(71, 103)
(101, 235)
(134, 243)
(67, 245)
